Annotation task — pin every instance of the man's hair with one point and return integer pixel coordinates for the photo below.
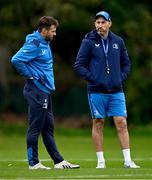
(46, 22)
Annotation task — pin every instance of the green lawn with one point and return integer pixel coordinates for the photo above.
(77, 147)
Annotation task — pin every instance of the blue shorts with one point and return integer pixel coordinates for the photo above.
(103, 105)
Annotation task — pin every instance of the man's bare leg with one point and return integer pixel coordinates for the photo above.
(97, 135)
(123, 135)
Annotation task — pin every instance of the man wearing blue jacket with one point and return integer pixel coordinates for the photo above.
(103, 62)
(34, 61)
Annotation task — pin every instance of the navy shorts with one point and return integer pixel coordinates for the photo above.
(107, 105)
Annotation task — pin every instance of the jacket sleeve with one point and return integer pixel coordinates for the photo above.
(82, 61)
(26, 54)
(125, 62)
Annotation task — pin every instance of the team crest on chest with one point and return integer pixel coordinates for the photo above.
(115, 46)
(44, 51)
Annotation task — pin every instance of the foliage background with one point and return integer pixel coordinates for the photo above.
(132, 20)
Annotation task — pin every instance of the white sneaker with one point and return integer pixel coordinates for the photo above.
(101, 165)
(130, 164)
(66, 165)
(39, 166)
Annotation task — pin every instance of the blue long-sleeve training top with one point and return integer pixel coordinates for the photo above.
(34, 59)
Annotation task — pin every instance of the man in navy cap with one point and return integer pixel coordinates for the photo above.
(104, 63)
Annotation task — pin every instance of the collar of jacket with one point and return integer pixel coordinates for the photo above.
(94, 35)
(40, 37)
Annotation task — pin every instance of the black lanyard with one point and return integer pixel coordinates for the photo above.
(105, 49)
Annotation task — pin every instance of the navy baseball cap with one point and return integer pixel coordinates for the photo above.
(103, 14)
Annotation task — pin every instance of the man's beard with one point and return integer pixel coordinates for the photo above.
(47, 39)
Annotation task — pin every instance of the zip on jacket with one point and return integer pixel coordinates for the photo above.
(91, 63)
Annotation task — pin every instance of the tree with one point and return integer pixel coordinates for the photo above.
(131, 20)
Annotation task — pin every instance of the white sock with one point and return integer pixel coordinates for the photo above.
(100, 156)
(126, 154)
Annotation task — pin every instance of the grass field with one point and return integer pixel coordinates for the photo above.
(76, 146)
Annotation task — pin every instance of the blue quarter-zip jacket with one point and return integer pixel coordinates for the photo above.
(35, 60)
(91, 63)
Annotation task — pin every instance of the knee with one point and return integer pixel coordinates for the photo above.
(33, 131)
(98, 124)
(121, 125)
(48, 131)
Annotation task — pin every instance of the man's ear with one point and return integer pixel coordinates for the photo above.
(110, 24)
(44, 32)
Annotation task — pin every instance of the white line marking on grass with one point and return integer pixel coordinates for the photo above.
(14, 160)
(111, 159)
(93, 176)
(98, 176)
(89, 159)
